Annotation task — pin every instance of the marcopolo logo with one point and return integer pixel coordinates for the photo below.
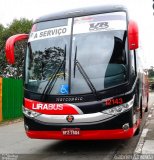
(70, 99)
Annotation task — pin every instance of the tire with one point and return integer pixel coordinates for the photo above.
(146, 110)
(137, 131)
(141, 109)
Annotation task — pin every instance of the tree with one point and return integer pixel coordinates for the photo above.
(151, 72)
(16, 27)
(1, 36)
(3, 63)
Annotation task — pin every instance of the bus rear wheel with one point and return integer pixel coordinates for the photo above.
(146, 110)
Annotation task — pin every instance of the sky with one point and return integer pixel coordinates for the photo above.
(141, 11)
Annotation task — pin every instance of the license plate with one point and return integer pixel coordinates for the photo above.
(70, 131)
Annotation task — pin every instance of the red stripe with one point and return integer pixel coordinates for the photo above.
(86, 134)
(50, 108)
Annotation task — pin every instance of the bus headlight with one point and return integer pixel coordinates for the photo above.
(121, 108)
(30, 113)
(111, 111)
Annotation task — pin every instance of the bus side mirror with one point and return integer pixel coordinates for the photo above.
(9, 46)
(133, 39)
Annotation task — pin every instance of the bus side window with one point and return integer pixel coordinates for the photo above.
(132, 61)
(118, 56)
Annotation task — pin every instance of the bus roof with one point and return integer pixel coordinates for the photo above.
(82, 12)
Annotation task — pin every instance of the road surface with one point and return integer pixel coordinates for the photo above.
(15, 145)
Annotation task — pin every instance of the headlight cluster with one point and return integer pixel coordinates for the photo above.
(30, 113)
(119, 109)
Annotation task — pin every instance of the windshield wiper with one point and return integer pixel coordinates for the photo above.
(75, 61)
(49, 86)
(65, 63)
(85, 76)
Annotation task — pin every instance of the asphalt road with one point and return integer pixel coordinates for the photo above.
(14, 145)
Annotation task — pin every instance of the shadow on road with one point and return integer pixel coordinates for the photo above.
(71, 150)
(91, 147)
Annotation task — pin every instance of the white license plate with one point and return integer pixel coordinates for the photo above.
(70, 131)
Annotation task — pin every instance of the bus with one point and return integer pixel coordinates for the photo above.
(83, 79)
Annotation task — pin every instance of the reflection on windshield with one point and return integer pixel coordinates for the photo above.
(51, 82)
(45, 63)
(46, 66)
(98, 57)
(83, 73)
(103, 57)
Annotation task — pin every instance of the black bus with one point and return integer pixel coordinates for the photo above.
(82, 77)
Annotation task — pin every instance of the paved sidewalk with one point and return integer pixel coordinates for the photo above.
(148, 146)
(146, 142)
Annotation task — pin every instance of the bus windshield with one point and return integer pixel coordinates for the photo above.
(77, 55)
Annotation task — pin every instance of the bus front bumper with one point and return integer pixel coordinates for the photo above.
(85, 134)
(112, 128)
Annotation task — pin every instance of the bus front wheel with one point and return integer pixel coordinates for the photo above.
(137, 131)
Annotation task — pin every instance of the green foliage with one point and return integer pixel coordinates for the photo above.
(16, 27)
(20, 26)
(2, 31)
(151, 72)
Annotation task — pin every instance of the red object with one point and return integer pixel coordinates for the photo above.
(9, 47)
(51, 108)
(85, 134)
(133, 38)
(33, 28)
(114, 101)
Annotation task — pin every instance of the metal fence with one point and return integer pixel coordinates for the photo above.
(1, 99)
(12, 98)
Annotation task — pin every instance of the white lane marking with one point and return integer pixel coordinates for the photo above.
(140, 144)
(150, 115)
(144, 132)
